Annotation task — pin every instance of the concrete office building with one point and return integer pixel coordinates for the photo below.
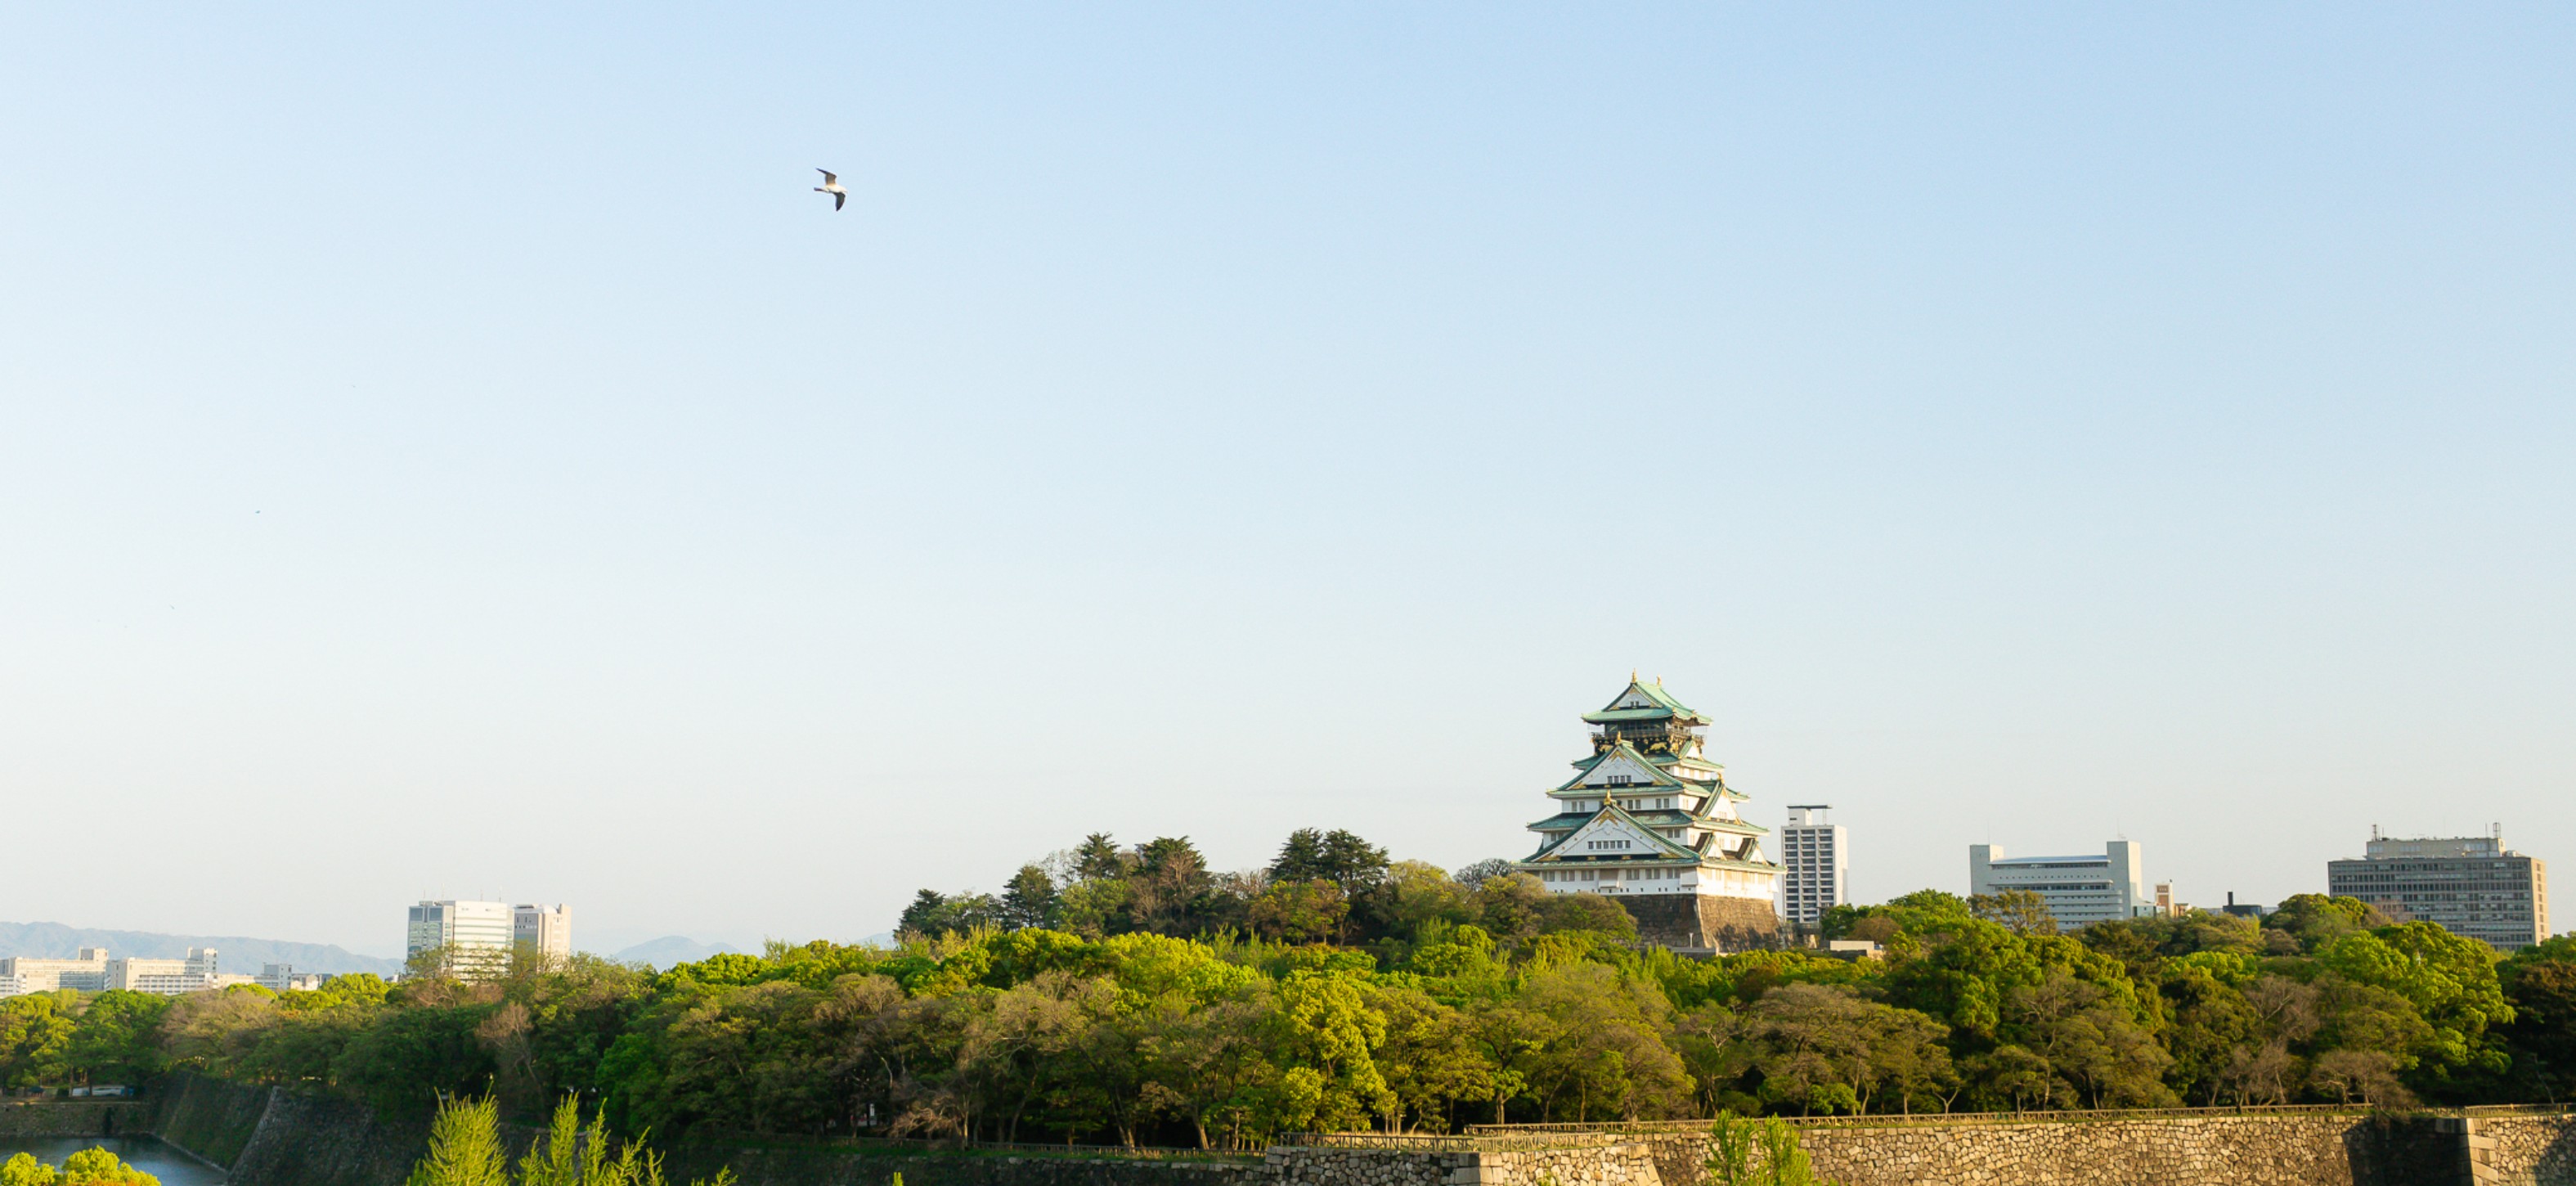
(1815, 865)
(2079, 890)
(284, 978)
(95, 971)
(545, 930)
(170, 977)
(2471, 885)
(21, 974)
(476, 935)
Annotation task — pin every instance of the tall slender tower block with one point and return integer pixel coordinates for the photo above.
(1650, 821)
(1815, 858)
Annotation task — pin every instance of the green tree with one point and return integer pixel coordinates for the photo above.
(2540, 983)
(2449, 979)
(2091, 1044)
(1330, 1038)
(1600, 1052)
(1168, 886)
(2313, 921)
(1824, 1049)
(1338, 856)
(1097, 858)
(1413, 897)
(220, 1032)
(88, 1167)
(2023, 912)
(96, 1166)
(1298, 911)
(576, 1012)
(1757, 1153)
(35, 1031)
(1431, 1060)
(117, 1038)
(411, 1058)
(1586, 913)
(2210, 1020)
(933, 914)
(1925, 913)
(1508, 906)
(1013, 1054)
(464, 1147)
(1212, 1065)
(1029, 900)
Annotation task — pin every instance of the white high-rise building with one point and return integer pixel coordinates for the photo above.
(2079, 890)
(1815, 865)
(545, 930)
(476, 935)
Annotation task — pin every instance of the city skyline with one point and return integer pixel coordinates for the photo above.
(740, 939)
(2016, 426)
(547, 927)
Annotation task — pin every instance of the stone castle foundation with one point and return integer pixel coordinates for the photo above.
(1697, 922)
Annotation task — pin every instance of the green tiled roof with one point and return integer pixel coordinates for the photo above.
(1664, 778)
(1673, 848)
(1542, 857)
(1664, 707)
(1611, 716)
(1576, 790)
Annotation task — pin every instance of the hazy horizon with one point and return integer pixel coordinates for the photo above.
(454, 452)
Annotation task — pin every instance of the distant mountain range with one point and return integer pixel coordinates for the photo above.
(668, 950)
(233, 953)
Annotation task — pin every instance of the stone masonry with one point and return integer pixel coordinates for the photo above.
(2531, 1150)
(273, 1137)
(1576, 1163)
(2151, 1149)
(1696, 922)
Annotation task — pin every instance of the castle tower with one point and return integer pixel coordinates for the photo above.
(1650, 821)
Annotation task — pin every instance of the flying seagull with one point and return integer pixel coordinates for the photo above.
(832, 185)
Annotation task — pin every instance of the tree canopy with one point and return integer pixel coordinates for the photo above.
(1132, 994)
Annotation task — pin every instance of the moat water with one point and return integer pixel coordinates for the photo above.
(152, 1157)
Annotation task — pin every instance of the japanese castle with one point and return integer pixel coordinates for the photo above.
(1647, 817)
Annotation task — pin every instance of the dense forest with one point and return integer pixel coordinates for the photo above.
(1126, 994)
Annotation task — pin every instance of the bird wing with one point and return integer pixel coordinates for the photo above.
(829, 178)
(837, 199)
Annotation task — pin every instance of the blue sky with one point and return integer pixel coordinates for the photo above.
(455, 452)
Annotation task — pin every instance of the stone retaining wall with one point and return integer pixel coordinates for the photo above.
(1700, 922)
(2228, 1151)
(1310, 1166)
(1631, 1164)
(1594, 1164)
(824, 1166)
(2357, 1149)
(210, 1118)
(2532, 1150)
(276, 1137)
(75, 1118)
(320, 1140)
